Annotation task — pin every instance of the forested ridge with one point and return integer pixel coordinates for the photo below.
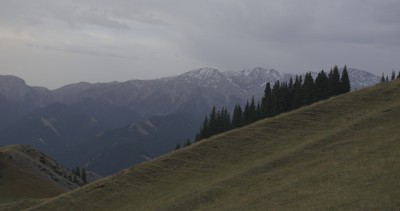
(278, 98)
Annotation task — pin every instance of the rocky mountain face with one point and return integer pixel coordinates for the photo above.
(92, 125)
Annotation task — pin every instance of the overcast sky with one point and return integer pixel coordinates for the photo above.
(52, 43)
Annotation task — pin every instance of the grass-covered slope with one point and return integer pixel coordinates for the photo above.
(27, 175)
(342, 153)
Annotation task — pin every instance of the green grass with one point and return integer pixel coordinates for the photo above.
(340, 154)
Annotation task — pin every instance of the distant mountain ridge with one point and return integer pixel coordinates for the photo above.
(75, 117)
(229, 87)
(239, 83)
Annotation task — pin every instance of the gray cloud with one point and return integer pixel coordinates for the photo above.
(78, 50)
(170, 37)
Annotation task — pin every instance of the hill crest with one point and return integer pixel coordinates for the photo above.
(26, 173)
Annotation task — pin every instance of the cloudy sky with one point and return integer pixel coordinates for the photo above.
(53, 43)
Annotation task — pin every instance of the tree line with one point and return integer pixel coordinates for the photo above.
(393, 77)
(279, 98)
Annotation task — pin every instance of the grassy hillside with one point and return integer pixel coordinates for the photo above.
(27, 175)
(342, 153)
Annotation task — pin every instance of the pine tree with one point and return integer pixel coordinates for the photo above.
(308, 89)
(334, 81)
(178, 146)
(226, 120)
(84, 175)
(383, 78)
(213, 122)
(205, 129)
(387, 78)
(297, 101)
(252, 111)
(321, 86)
(345, 81)
(258, 113)
(398, 76)
(237, 118)
(266, 101)
(219, 124)
(277, 101)
(291, 93)
(285, 96)
(78, 172)
(393, 75)
(188, 143)
(290, 83)
(246, 113)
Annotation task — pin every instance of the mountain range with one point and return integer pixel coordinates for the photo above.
(110, 126)
(341, 153)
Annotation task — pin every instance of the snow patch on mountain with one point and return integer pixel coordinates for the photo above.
(49, 123)
(360, 79)
(205, 73)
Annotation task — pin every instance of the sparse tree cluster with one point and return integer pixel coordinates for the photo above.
(217, 122)
(77, 176)
(392, 77)
(281, 97)
(185, 144)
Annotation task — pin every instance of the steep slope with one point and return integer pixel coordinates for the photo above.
(26, 173)
(342, 153)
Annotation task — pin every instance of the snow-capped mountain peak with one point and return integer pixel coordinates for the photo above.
(250, 80)
(202, 73)
(204, 77)
(253, 73)
(360, 78)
